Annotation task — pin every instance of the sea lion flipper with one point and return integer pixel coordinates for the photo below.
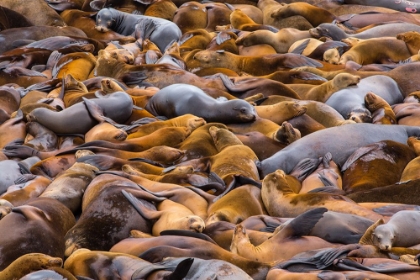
(95, 111)
(141, 207)
(328, 189)
(367, 239)
(24, 178)
(325, 180)
(302, 224)
(304, 168)
(181, 270)
(299, 49)
(358, 154)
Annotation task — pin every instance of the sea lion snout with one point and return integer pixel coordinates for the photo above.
(101, 28)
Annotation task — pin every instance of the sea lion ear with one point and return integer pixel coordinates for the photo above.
(220, 51)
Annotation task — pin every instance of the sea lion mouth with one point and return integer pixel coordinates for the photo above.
(101, 28)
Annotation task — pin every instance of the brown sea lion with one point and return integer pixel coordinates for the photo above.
(40, 221)
(412, 40)
(93, 229)
(240, 20)
(105, 131)
(38, 13)
(262, 145)
(313, 14)
(374, 161)
(381, 111)
(406, 113)
(70, 185)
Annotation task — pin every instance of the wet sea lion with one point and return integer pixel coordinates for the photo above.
(175, 100)
(160, 31)
(26, 187)
(40, 221)
(345, 137)
(368, 167)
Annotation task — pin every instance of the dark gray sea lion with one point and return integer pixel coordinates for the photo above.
(180, 99)
(341, 141)
(160, 31)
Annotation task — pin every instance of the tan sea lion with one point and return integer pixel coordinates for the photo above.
(381, 111)
(377, 50)
(248, 64)
(290, 238)
(168, 215)
(280, 112)
(280, 200)
(322, 92)
(280, 41)
(28, 263)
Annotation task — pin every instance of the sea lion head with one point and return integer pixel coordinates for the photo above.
(195, 223)
(332, 56)
(104, 20)
(344, 80)
(245, 112)
(383, 237)
(360, 116)
(287, 134)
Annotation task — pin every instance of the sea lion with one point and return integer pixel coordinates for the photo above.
(28, 263)
(188, 120)
(156, 248)
(93, 229)
(169, 215)
(160, 31)
(38, 12)
(382, 112)
(377, 50)
(85, 21)
(179, 97)
(105, 131)
(280, 41)
(248, 64)
(97, 264)
(70, 185)
(323, 92)
(406, 113)
(313, 14)
(191, 16)
(117, 106)
(397, 231)
(344, 136)
(349, 101)
(240, 20)
(280, 200)
(281, 111)
(290, 238)
(368, 167)
(229, 207)
(262, 145)
(390, 29)
(40, 221)
(12, 19)
(40, 138)
(26, 187)
(412, 41)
